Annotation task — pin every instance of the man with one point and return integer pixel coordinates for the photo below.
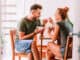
(27, 30)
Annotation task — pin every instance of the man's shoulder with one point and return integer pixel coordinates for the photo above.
(24, 19)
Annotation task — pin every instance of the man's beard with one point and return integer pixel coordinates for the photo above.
(35, 18)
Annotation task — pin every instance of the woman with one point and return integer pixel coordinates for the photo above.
(62, 29)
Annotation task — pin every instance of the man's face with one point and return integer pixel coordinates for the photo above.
(36, 13)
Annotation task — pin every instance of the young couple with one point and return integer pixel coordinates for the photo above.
(27, 30)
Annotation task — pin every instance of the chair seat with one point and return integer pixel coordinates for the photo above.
(17, 53)
(21, 54)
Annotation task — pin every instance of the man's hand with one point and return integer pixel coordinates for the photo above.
(38, 31)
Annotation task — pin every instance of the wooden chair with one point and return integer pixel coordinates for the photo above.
(12, 36)
(68, 49)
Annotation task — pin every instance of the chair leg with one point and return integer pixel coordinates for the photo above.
(19, 58)
(13, 57)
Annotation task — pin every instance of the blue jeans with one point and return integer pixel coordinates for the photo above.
(23, 46)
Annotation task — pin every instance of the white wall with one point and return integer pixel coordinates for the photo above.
(76, 42)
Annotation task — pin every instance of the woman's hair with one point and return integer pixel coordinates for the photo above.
(63, 12)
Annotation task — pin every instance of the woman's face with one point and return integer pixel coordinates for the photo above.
(57, 15)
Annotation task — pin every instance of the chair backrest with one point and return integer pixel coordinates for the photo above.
(12, 36)
(67, 51)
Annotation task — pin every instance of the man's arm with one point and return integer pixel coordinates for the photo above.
(22, 29)
(22, 35)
